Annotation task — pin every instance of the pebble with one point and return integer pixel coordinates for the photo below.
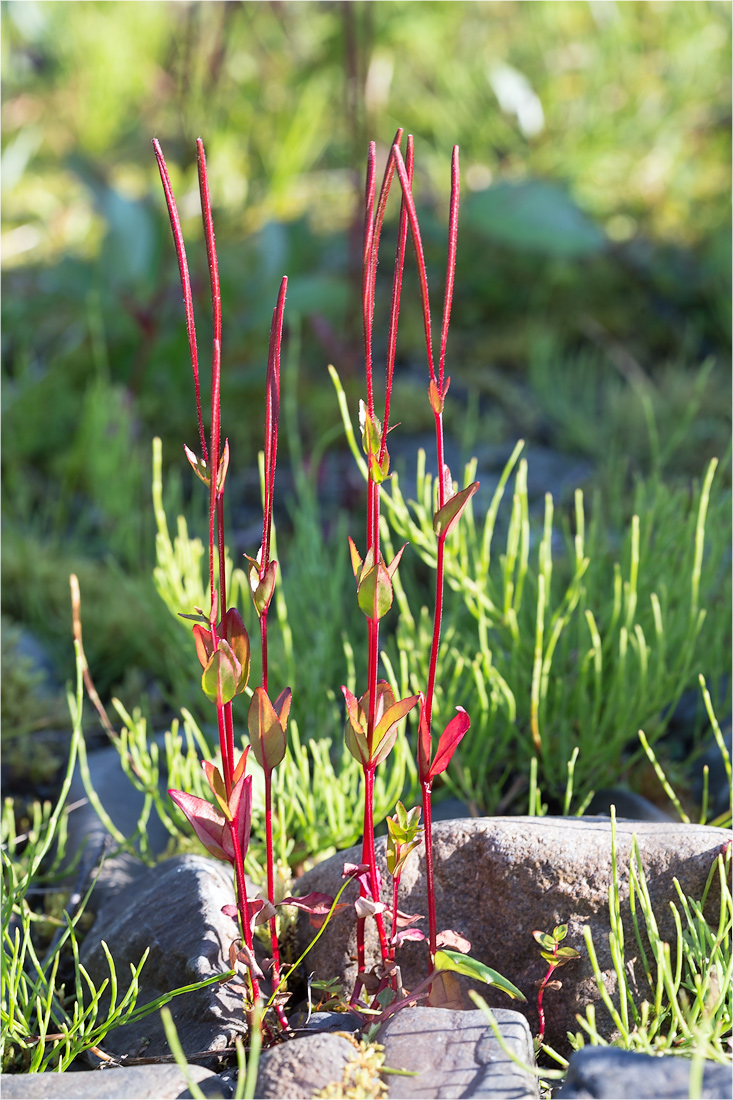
(303, 1066)
(158, 1082)
(607, 1073)
(456, 1054)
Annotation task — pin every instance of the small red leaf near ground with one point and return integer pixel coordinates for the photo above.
(454, 940)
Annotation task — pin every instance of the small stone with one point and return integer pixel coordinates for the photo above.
(607, 1073)
(456, 1054)
(326, 1021)
(161, 1082)
(302, 1067)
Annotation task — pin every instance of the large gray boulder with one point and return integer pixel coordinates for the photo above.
(175, 910)
(498, 879)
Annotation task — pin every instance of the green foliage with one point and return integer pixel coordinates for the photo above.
(46, 1020)
(577, 643)
(688, 1004)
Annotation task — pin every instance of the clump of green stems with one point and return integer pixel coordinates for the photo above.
(555, 649)
(46, 1024)
(689, 1005)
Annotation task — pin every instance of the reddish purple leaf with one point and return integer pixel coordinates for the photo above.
(407, 934)
(208, 823)
(310, 903)
(423, 744)
(405, 919)
(449, 741)
(240, 807)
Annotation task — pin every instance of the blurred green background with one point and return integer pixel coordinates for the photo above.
(593, 261)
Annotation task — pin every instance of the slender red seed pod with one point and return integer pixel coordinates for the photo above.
(185, 284)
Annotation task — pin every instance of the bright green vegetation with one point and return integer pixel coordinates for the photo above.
(592, 316)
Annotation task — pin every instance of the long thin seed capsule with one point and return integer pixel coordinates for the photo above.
(185, 284)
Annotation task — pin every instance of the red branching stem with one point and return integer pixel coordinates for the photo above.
(360, 958)
(437, 624)
(540, 995)
(221, 549)
(450, 273)
(366, 296)
(243, 905)
(372, 231)
(395, 892)
(271, 894)
(369, 855)
(215, 436)
(227, 753)
(419, 255)
(394, 315)
(428, 823)
(272, 417)
(185, 285)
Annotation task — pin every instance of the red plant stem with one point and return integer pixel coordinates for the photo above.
(185, 285)
(540, 995)
(399, 267)
(428, 823)
(227, 756)
(215, 522)
(271, 894)
(360, 958)
(395, 891)
(450, 273)
(369, 855)
(243, 904)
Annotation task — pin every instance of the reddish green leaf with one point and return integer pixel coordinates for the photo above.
(311, 903)
(215, 781)
(221, 676)
(223, 467)
(423, 744)
(235, 633)
(266, 733)
(545, 941)
(374, 592)
(447, 517)
(560, 931)
(392, 567)
(354, 732)
(204, 644)
(394, 714)
(449, 741)
(436, 399)
(239, 770)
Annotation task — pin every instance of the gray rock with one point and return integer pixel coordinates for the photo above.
(326, 1021)
(123, 802)
(161, 1082)
(457, 1054)
(303, 1066)
(607, 1073)
(498, 879)
(175, 910)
